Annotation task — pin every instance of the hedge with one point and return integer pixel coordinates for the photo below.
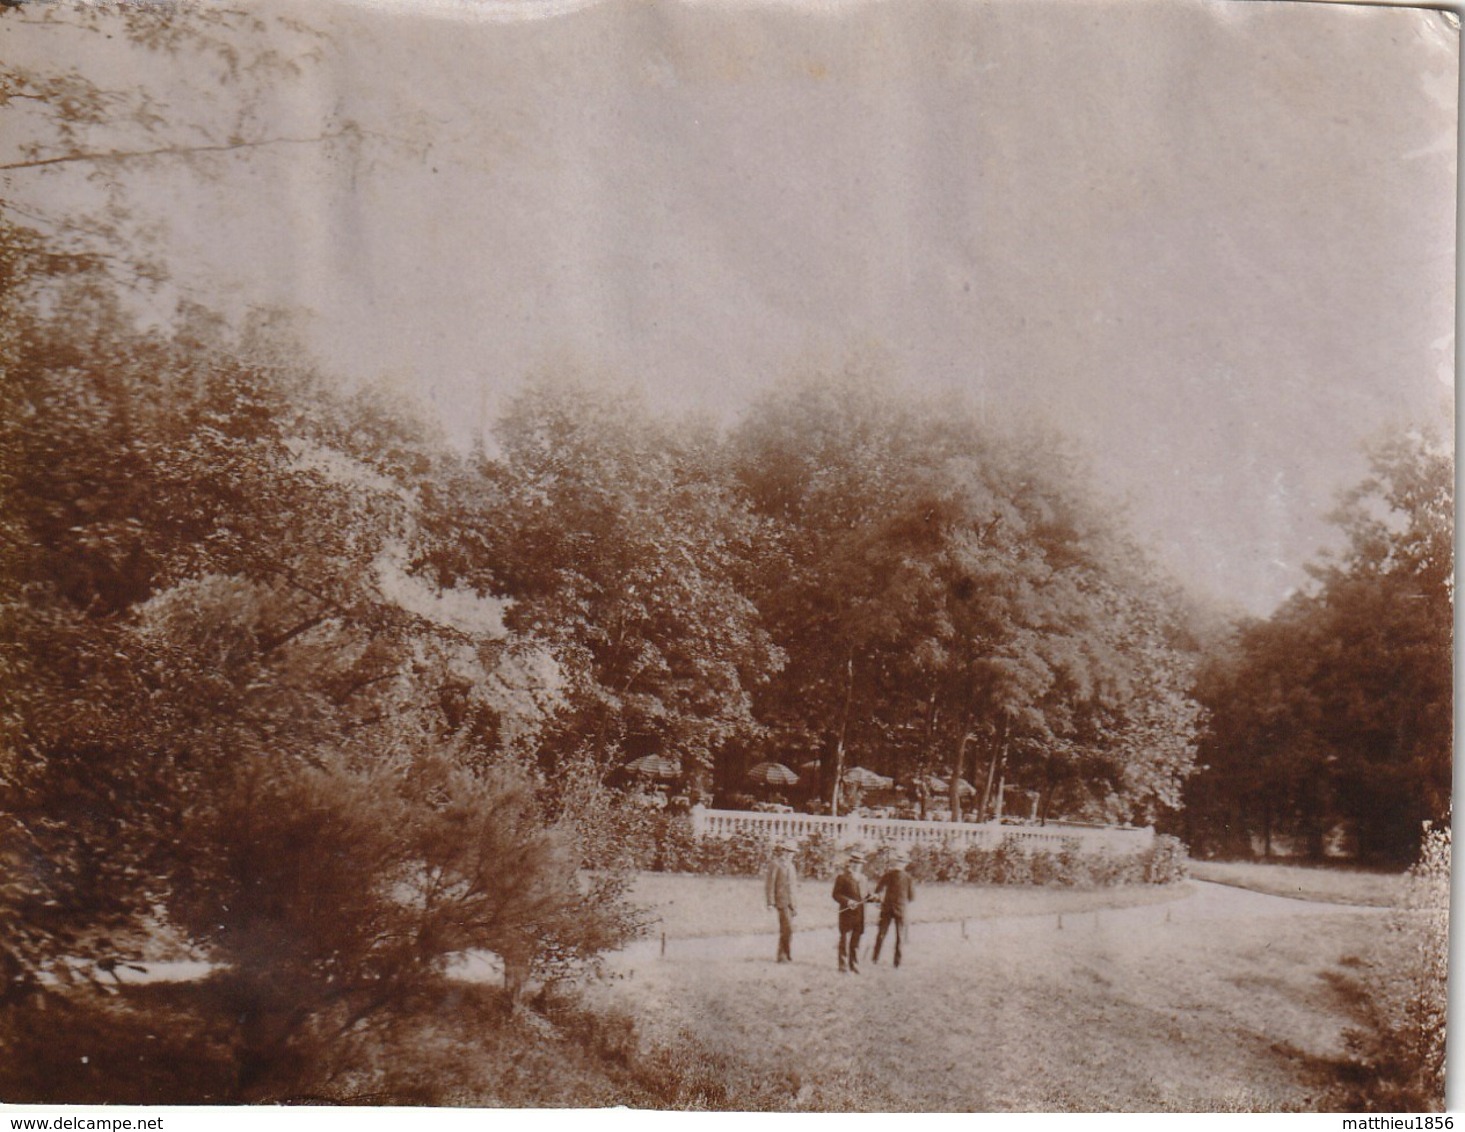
(655, 841)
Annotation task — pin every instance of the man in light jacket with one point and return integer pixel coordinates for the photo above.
(778, 888)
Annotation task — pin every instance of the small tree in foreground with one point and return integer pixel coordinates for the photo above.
(336, 898)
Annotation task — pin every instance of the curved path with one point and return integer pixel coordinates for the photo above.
(1206, 901)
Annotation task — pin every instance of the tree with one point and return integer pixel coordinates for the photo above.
(1338, 707)
(946, 592)
(823, 465)
(301, 748)
(614, 536)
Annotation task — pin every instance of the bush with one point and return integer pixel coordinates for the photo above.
(936, 861)
(742, 854)
(677, 847)
(334, 898)
(979, 865)
(1400, 1053)
(671, 846)
(1012, 863)
(1054, 868)
(1166, 861)
(818, 857)
(613, 832)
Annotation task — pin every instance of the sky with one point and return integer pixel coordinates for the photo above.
(1213, 240)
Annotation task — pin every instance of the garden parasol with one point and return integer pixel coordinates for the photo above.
(772, 774)
(656, 766)
(941, 786)
(866, 779)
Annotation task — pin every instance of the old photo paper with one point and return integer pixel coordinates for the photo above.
(798, 556)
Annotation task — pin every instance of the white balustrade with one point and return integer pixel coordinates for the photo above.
(855, 829)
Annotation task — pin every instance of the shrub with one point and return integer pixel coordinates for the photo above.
(1165, 862)
(980, 865)
(1074, 867)
(1400, 1054)
(818, 857)
(1105, 869)
(1012, 863)
(1052, 868)
(611, 830)
(677, 849)
(333, 898)
(936, 862)
(742, 854)
(674, 848)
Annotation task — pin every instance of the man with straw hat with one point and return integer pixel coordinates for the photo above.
(851, 891)
(778, 888)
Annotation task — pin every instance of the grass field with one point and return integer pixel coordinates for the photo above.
(1328, 883)
(1189, 998)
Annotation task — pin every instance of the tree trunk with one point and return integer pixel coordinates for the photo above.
(999, 757)
(928, 751)
(849, 691)
(956, 772)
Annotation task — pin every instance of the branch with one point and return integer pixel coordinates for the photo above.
(351, 689)
(270, 644)
(122, 156)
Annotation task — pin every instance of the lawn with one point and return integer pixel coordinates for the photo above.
(1331, 884)
(1199, 999)
(1191, 997)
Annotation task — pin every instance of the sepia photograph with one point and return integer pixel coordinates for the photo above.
(780, 556)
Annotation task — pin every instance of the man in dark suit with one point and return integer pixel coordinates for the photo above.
(778, 888)
(851, 890)
(896, 892)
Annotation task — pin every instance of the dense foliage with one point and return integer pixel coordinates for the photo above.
(236, 706)
(1334, 715)
(953, 601)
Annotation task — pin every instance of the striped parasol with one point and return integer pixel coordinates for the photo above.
(940, 786)
(772, 774)
(656, 766)
(867, 779)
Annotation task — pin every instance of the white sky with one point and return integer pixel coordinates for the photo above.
(1213, 240)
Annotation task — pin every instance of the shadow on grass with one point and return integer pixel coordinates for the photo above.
(464, 1045)
(1377, 1074)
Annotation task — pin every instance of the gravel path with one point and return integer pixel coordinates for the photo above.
(1205, 903)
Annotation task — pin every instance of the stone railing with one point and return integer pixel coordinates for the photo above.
(870, 832)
